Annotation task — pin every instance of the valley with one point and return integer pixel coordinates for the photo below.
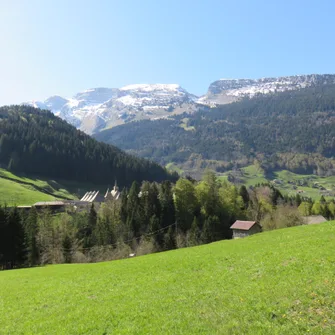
(284, 124)
(167, 167)
(291, 130)
(188, 174)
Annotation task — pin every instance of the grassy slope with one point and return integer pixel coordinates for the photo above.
(174, 168)
(279, 282)
(23, 190)
(13, 193)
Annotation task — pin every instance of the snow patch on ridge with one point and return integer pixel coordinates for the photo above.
(228, 90)
(105, 106)
(151, 87)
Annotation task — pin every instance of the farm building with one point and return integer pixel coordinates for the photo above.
(86, 201)
(54, 206)
(61, 206)
(93, 196)
(245, 228)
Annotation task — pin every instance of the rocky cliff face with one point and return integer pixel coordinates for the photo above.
(228, 90)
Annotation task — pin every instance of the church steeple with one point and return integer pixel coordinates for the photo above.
(115, 188)
(115, 192)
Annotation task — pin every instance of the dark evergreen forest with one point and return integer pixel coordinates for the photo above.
(293, 130)
(36, 142)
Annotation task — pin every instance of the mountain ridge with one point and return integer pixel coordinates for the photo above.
(101, 108)
(293, 130)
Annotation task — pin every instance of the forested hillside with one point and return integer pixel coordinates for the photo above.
(35, 142)
(292, 130)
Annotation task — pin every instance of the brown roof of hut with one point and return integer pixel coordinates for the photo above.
(243, 225)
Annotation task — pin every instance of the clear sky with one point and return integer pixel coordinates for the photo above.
(50, 47)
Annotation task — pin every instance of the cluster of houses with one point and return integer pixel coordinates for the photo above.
(89, 198)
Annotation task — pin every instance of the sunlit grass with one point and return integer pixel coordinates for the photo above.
(174, 168)
(22, 190)
(13, 193)
(279, 282)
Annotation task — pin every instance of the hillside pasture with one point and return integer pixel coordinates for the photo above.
(16, 189)
(278, 282)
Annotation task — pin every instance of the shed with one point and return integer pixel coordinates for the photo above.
(245, 228)
(54, 206)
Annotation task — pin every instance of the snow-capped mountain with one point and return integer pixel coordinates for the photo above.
(225, 91)
(99, 108)
(96, 109)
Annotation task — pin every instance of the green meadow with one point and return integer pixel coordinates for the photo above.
(26, 190)
(278, 282)
(14, 193)
(287, 182)
(174, 168)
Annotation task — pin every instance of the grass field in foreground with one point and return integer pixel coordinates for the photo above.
(279, 282)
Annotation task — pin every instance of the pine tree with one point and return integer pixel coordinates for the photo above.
(123, 210)
(91, 225)
(31, 230)
(186, 204)
(67, 249)
(168, 215)
(206, 233)
(245, 196)
(101, 233)
(194, 233)
(3, 235)
(169, 239)
(133, 209)
(15, 238)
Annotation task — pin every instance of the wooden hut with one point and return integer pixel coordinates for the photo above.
(245, 228)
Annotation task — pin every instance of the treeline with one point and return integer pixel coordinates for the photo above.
(283, 125)
(36, 142)
(148, 218)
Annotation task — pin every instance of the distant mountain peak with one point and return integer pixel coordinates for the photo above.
(97, 108)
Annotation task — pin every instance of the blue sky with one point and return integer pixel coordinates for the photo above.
(62, 47)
